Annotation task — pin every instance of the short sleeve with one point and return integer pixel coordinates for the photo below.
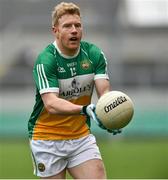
(45, 75)
(101, 68)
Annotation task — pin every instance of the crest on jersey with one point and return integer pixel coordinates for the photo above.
(85, 64)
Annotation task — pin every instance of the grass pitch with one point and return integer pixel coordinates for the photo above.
(146, 159)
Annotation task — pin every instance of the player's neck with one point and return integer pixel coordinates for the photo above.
(66, 52)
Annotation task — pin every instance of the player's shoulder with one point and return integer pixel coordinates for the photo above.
(89, 46)
(47, 55)
(91, 49)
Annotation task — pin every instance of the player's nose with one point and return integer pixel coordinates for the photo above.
(74, 29)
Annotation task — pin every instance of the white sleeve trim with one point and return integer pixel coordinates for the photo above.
(101, 76)
(42, 91)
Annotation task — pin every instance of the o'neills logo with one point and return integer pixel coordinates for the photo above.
(115, 103)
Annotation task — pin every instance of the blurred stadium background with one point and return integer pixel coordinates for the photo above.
(134, 37)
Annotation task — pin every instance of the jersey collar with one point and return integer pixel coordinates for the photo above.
(63, 55)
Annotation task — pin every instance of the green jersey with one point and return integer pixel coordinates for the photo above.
(71, 77)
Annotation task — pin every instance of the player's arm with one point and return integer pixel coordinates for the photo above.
(101, 78)
(56, 105)
(102, 86)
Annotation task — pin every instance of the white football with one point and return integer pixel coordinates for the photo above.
(114, 109)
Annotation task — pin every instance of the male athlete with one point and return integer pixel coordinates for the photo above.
(65, 73)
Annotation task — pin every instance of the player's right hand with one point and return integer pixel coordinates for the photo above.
(89, 111)
(114, 131)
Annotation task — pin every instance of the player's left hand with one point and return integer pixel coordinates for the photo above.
(89, 111)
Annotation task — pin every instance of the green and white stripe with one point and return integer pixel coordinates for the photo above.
(43, 82)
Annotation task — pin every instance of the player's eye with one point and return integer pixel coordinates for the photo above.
(67, 25)
(78, 25)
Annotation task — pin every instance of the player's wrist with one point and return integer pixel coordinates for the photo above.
(88, 109)
(83, 110)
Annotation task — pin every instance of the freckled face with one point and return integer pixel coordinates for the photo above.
(69, 33)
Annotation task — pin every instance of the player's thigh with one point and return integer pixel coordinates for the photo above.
(61, 175)
(91, 169)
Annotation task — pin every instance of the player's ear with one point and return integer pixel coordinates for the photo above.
(55, 31)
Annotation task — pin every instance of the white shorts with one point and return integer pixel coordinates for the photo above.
(52, 156)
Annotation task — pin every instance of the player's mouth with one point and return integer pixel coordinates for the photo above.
(73, 39)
